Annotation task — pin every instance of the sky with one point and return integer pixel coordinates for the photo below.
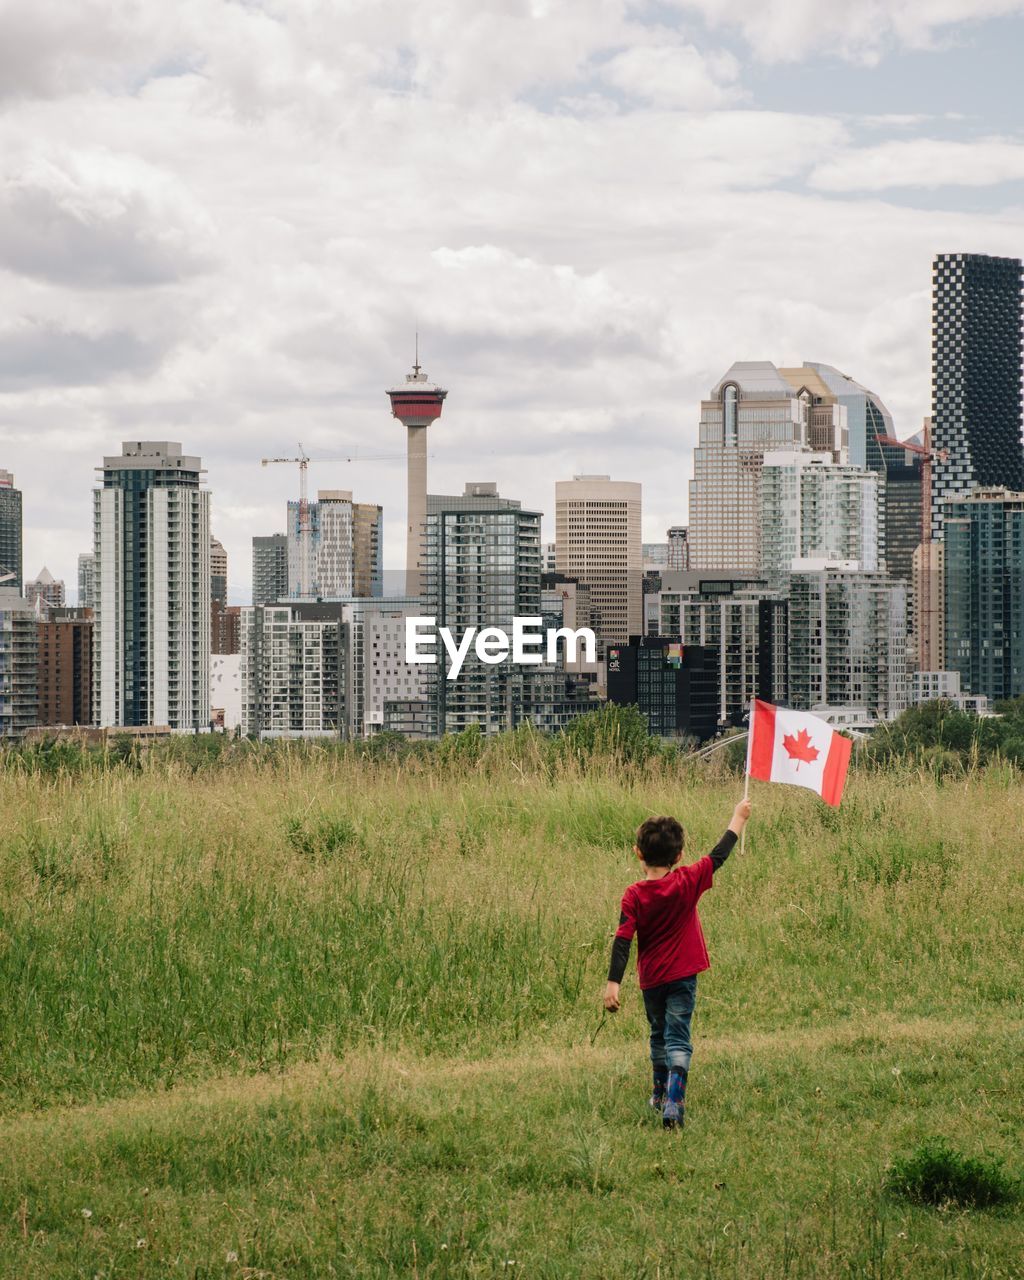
(224, 223)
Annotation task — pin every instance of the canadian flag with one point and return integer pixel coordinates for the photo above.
(792, 746)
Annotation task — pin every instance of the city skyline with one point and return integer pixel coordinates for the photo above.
(223, 250)
(394, 566)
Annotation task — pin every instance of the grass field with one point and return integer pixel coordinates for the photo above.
(315, 1016)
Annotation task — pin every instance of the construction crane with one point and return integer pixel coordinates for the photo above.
(927, 605)
(303, 461)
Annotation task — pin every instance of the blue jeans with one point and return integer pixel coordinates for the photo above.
(669, 1010)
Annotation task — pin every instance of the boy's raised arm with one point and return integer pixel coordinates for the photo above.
(724, 847)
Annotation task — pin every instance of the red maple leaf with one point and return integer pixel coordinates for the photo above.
(799, 747)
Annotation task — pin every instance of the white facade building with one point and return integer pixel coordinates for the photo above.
(927, 686)
(151, 639)
(291, 672)
(226, 691)
(345, 548)
(333, 668)
(847, 640)
(378, 678)
(812, 506)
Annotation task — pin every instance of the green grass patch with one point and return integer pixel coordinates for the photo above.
(934, 1173)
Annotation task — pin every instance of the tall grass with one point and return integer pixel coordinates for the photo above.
(167, 916)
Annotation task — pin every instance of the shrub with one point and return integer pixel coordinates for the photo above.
(614, 731)
(323, 838)
(937, 1174)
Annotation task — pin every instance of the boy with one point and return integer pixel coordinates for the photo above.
(662, 910)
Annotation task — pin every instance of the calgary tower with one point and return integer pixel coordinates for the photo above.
(417, 404)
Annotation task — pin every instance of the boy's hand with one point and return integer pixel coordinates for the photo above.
(611, 997)
(739, 816)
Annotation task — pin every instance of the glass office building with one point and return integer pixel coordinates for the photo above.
(984, 591)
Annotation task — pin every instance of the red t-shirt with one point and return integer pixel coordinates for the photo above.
(663, 914)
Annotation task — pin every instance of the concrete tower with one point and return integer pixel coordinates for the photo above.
(417, 404)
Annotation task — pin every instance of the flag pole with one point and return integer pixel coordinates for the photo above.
(746, 772)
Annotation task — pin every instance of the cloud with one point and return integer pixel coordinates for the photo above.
(224, 225)
(51, 48)
(93, 219)
(675, 75)
(860, 30)
(921, 162)
(39, 355)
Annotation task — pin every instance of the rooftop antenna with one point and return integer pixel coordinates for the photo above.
(416, 363)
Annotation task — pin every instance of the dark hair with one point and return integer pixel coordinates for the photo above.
(660, 841)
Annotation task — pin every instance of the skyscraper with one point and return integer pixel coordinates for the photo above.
(270, 568)
(65, 667)
(900, 472)
(151, 642)
(10, 532)
(847, 641)
(367, 549)
(329, 546)
(976, 377)
(292, 670)
(744, 620)
(481, 568)
(678, 547)
(983, 545)
(813, 507)
(19, 664)
(598, 542)
(416, 404)
(755, 408)
(218, 571)
(929, 605)
(86, 579)
(345, 547)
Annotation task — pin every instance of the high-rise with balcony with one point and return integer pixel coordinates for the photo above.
(19, 664)
(847, 642)
(10, 532)
(151, 638)
(813, 507)
(598, 542)
(269, 568)
(976, 377)
(65, 667)
(480, 568)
